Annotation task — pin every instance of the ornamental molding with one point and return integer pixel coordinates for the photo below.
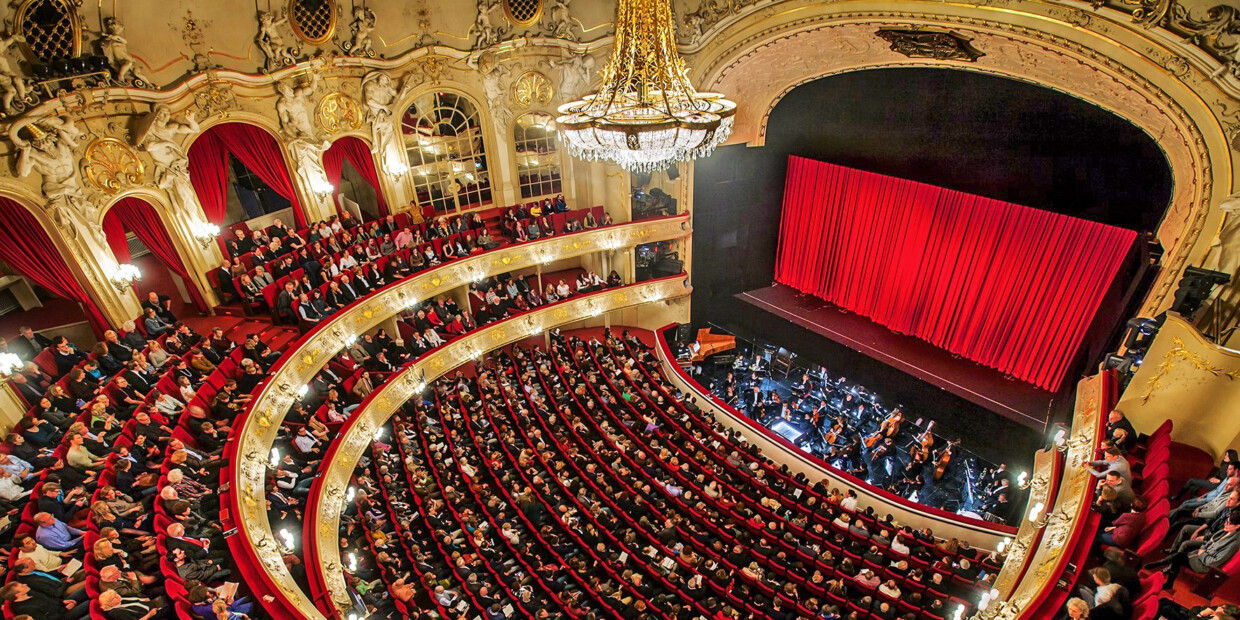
(112, 165)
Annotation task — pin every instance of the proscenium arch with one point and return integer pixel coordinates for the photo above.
(760, 58)
(159, 205)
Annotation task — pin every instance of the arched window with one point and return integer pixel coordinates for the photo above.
(443, 138)
(538, 162)
(523, 13)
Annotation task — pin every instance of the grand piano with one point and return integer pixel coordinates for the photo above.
(709, 344)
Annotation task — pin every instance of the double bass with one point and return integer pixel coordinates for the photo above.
(888, 428)
(923, 443)
(945, 458)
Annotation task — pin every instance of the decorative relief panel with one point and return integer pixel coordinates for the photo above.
(338, 112)
(112, 165)
(532, 88)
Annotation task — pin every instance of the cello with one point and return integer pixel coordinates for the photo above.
(923, 443)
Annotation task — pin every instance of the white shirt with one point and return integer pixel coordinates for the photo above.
(849, 503)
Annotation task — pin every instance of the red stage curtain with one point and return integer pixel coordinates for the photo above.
(358, 154)
(139, 217)
(25, 247)
(1010, 287)
(255, 149)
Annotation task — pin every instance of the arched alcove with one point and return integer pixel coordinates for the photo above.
(259, 153)
(137, 216)
(26, 247)
(351, 170)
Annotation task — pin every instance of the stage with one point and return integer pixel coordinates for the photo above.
(987, 388)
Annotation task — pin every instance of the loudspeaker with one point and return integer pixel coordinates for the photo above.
(683, 334)
(673, 172)
(669, 267)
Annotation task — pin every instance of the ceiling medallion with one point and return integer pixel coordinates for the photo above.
(646, 115)
(112, 165)
(338, 112)
(531, 88)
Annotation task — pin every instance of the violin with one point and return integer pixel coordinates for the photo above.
(873, 438)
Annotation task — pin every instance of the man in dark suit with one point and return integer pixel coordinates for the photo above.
(28, 344)
(38, 605)
(117, 607)
(27, 390)
(1200, 556)
(51, 584)
(284, 304)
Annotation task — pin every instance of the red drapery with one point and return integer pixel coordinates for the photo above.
(254, 148)
(358, 154)
(25, 247)
(1008, 286)
(138, 217)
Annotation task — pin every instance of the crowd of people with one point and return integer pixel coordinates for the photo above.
(847, 426)
(110, 480)
(303, 277)
(577, 482)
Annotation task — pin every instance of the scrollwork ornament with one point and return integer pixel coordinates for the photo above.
(112, 165)
(338, 112)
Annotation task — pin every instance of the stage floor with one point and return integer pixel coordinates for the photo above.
(982, 386)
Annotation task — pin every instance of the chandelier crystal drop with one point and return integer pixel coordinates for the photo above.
(646, 115)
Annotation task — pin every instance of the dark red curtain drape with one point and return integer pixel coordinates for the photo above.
(358, 154)
(1008, 286)
(255, 149)
(139, 217)
(25, 247)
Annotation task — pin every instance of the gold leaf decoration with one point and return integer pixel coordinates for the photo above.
(112, 165)
(338, 112)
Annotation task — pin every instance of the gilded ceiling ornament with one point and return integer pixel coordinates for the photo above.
(338, 112)
(532, 88)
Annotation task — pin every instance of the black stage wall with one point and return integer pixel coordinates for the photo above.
(976, 133)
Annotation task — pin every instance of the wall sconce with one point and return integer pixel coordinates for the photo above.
(1022, 481)
(350, 340)
(1003, 544)
(205, 232)
(348, 497)
(124, 276)
(10, 364)
(321, 186)
(1036, 516)
(302, 391)
(395, 167)
(275, 457)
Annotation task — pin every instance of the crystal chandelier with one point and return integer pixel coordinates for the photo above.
(646, 116)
